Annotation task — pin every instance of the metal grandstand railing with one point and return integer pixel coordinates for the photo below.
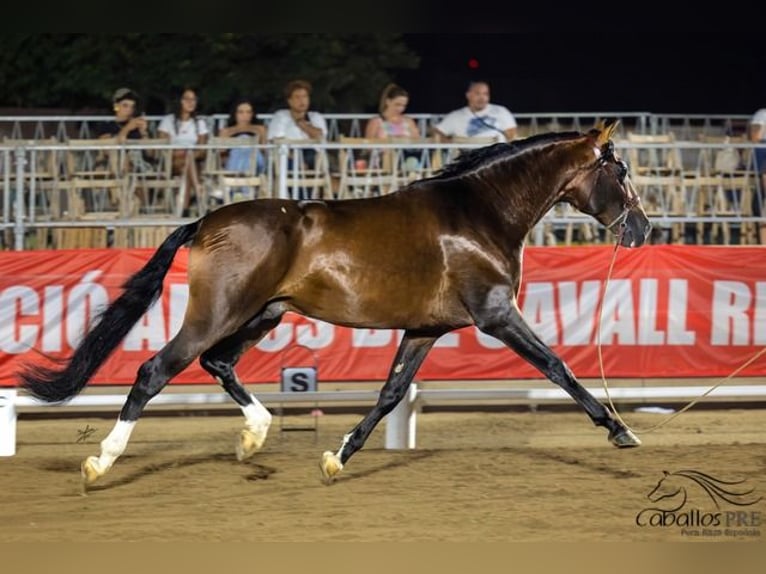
(694, 200)
(352, 124)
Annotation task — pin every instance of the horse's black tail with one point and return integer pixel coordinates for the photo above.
(114, 323)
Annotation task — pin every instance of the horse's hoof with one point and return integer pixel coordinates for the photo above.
(90, 471)
(624, 439)
(330, 466)
(249, 443)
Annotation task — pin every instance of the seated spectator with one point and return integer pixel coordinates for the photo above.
(478, 119)
(298, 123)
(242, 124)
(757, 133)
(392, 123)
(126, 124)
(183, 127)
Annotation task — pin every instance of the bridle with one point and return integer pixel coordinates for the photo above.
(630, 203)
(629, 200)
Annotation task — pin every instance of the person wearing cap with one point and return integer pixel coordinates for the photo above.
(125, 124)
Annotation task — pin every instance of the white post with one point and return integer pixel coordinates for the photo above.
(20, 155)
(401, 423)
(282, 181)
(7, 422)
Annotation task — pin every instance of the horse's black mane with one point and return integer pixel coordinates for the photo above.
(469, 160)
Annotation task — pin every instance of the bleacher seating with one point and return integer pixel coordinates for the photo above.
(104, 194)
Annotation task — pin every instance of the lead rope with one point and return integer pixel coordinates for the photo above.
(601, 360)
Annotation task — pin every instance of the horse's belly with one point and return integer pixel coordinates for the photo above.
(381, 308)
(393, 294)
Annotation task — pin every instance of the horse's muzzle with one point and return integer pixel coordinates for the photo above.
(635, 229)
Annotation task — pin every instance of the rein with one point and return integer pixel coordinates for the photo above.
(601, 360)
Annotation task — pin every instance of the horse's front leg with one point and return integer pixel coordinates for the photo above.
(410, 355)
(498, 315)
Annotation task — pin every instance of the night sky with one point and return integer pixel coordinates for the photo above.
(697, 74)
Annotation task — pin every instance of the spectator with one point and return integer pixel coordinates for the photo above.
(758, 135)
(126, 124)
(184, 127)
(298, 123)
(478, 119)
(392, 122)
(242, 124)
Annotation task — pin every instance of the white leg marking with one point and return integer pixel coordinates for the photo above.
(257, 417)
(331, 463)
(346, 438)
(257, 422)
(114, 445)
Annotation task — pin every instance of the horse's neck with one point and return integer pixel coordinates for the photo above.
(526, 200)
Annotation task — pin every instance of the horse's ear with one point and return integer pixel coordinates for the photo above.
(605, 133)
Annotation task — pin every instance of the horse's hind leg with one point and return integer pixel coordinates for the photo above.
(500, 317)
(152, 377)
(219, 361)
(410, 355)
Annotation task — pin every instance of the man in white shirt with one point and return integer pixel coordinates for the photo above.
(478, 119)
(298, 123)
(758, 131)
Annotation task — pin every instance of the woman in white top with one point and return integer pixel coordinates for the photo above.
(184, 128)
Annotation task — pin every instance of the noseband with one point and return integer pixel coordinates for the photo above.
(630, 203)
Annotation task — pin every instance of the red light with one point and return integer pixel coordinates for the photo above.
(473, 63)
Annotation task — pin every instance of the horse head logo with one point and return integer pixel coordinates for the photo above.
(673, 487)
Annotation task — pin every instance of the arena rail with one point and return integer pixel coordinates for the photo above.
(688, 126)
(19, 177)
(351, 124)
(401, 423)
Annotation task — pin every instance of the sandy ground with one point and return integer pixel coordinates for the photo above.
(479, 476)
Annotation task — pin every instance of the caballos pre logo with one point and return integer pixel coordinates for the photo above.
(699, 504)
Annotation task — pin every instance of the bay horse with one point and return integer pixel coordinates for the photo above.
(444, 252)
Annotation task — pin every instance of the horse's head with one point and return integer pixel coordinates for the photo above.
(601, 188)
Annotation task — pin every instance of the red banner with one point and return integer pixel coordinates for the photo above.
(669, 311)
